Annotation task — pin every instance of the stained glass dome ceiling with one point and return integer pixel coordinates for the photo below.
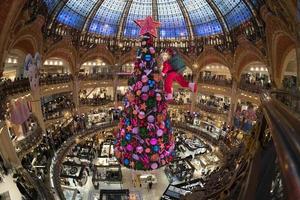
(179, 18)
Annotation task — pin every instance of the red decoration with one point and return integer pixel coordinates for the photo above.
(148, 25)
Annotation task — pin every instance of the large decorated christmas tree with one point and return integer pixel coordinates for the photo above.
(144, 139)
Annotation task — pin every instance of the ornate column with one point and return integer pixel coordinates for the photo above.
(194, 95)
(76, 89)
(115, 85)
(34, 64)
(234, 101)
(36, 107)
(7, 150)
(298, 49)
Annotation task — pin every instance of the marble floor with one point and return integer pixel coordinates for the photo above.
(8, 185)
(138, 191)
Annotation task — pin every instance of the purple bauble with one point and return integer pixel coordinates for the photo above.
(150, 118)
(159, 132)
(135, 130)
(135, 157)
(145, 88)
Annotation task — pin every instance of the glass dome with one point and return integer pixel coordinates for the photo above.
(179, 18)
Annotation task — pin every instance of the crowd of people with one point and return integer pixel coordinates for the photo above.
(54, 108)
(214, 104)
(214, 79)
(96, 76)
(95, 99)
(221, 176)
(255, 84)
(49, 79)
(9, 87)
(244, 119)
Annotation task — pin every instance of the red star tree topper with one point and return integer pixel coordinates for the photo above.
(148, 25)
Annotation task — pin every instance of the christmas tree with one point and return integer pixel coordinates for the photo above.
(144, 139)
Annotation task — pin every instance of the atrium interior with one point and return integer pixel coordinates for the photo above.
(149, 99)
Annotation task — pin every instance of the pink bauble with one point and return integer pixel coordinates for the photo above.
(153, 141)
(162, 125)
(158, 97)
(159, 132)
(152, 50)
(139, 149)
(148, 150)
(150, 118)
(141, 115)
(154, 165)
(144, 97)
(129, 147)
(144, 79)
(139, 85)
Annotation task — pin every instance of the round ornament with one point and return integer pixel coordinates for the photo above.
(154, 157)
(144, 97)
(145, 88)
(158, 97)
(148, 150)
(150, 118)
(128, 137)
(126, 161)
(129, 147)
(139, 149)
(135, 157)
(135, 130)
(154, 165)
(144, 79)
(138, 92)
(153, 141)
(141, 115)
(159, 132)
(152, 50)
(156, 148)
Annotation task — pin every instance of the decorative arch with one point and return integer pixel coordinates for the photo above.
(291, 55)
(128, 57)
(10, 12)
(210, 56)
(279, 42)
(65, 51)
(98, 52)
(245, 54)
(282, 46)
(26, 44)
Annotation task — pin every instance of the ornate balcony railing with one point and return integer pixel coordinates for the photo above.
(289, 99)
(58, 79)
(96, 77)
(254, 88)
(95, 101)
(219, 82)
(279, 142)
(212, 109)
(27, 144)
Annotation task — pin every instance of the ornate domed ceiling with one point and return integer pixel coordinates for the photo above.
(179, 18)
